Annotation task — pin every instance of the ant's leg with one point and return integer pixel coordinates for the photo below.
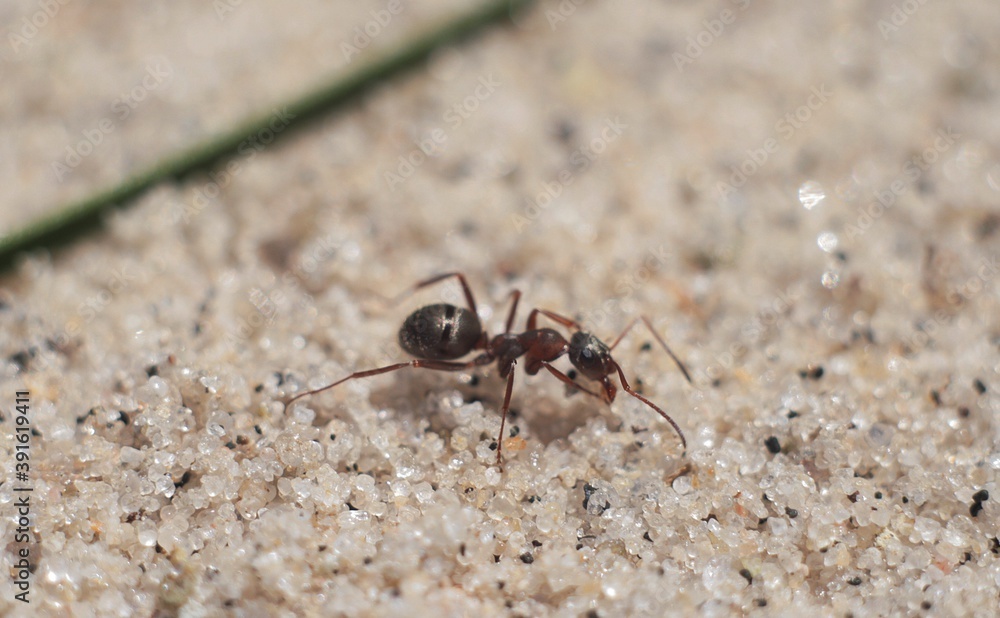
(663, 343)
(555, 317)
(516, 295)
(568, 380)
(623, 333)
(610, 390)
(628, 389)
(435, 279)
(503, 412)
(420, 363)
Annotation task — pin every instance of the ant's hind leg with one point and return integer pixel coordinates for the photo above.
(418, 363)
(516, 296)
(426, 282)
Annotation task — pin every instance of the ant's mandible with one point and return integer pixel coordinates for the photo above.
(439, 334)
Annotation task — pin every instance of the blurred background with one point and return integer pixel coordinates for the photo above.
(803, 197)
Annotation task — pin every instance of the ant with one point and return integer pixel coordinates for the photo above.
(439, 334)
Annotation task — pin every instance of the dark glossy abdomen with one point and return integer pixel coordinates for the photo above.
(440, 332)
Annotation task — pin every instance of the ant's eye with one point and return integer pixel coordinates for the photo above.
(588, 354)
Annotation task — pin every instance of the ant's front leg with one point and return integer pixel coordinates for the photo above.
(503, 411)
(628, 389)
(570, 382)
(649, 325)
(555, 317)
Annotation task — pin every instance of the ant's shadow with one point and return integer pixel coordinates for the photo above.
(539, 410)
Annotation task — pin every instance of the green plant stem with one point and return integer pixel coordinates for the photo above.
(79, 218)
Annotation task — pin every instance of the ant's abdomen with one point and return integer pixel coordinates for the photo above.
(440, 332)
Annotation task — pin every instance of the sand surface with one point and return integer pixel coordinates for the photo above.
(803, 198)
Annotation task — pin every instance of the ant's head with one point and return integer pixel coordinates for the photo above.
(590, 356)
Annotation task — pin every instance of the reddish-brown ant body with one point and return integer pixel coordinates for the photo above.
(437, 335)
